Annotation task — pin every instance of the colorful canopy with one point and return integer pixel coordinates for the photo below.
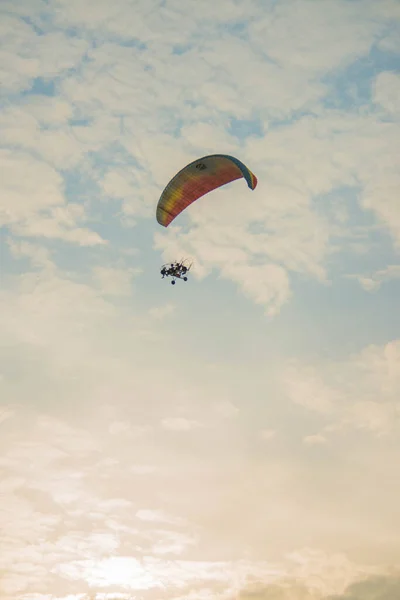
(198, 178)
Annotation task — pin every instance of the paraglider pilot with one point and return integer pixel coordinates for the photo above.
(177, 270)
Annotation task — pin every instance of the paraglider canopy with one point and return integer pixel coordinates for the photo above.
(197, 179)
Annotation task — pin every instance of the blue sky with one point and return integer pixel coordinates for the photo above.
(237, 436)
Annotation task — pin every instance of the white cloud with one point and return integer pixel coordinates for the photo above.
(39, 256)
(179, 424)
(390, 42)
(108, 410)
(313, 440)
(376, 587)
(161, 312)
(157, 516)
(373, 282)
(227, 409)
(28, 187)
(267, 285)
(387, 92)
(5, 413)
(118, 427)
(40, 127)
(306, 387)
(344, 147)
(361, 393)
(124, 185)
(174, 543)
(143, 469)
(123, 571)
(299, 239)
(26, 55)
(316, 38)
(32, 202)
(113, 281)
(267, 434)
(87, 542)
(227, 248)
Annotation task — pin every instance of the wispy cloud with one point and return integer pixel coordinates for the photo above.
(178, 424)
(314, 440)
(374, 281)
(362, 392)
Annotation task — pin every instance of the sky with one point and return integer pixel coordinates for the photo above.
(234, 437)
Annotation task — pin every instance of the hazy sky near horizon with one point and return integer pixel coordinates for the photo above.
(235, 437)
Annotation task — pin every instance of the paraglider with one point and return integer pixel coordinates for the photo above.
(195, 180)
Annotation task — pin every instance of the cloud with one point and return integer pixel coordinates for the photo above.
(361, 393)
(292, 41)
(387, 93)
(389, 43)
(161, 312)
(227, 409)
(313, 440)
(87, 525)
(374, 282)
(113, 281)
(157, 516)
(39, 256)
(118, 427)
(126, 150)
(309, 390)
(33, 203)
(327, 139)
(42, 128)
(143, 469)
(179, 424)
(292, 238)
(130, 449)
(284, 591)
(5, 414)
(29, 186)
(26, 55)
(219, 245)
(267, 434)
(381, 587)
